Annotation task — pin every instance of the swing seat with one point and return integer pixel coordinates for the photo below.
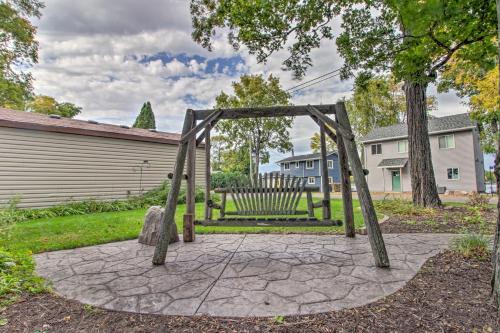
(268, 201)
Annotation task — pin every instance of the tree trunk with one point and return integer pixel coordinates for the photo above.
(423, 182)
(495, 279)
(257, 163)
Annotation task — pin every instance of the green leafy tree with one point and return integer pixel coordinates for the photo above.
(227, 159)
(256, 135)
(146, 118)
(18, 50)
(413, 40)
(48, 105)
(316, 143)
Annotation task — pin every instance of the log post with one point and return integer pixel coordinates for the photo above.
(169, 217)
(208, 182)
(370, 217)
(188, 229)
(345, 184)
(325, 185)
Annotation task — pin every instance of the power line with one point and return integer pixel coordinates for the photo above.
(311, 80)
(312, 84)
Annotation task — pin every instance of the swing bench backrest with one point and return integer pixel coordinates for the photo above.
(267, 195)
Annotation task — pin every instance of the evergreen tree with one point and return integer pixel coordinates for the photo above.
(146, 118)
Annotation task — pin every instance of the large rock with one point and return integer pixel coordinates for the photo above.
(151, 227)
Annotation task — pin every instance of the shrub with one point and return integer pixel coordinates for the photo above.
(225, 179)
(156, 196)
(472, 246)
(478, 201)
(17, 275)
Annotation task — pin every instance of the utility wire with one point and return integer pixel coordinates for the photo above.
(311, 80)
(312, 84)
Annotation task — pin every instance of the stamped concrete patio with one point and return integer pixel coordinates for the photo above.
(238, 275)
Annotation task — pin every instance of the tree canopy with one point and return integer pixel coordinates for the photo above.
(316, 143)
(414, 40)
(258, 135)
(146, 118)
(48, 105)
(18, 50)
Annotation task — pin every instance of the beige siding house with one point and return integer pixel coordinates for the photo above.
(457, 157)
(46, 161)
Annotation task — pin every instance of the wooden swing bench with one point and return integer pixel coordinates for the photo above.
(267, 201)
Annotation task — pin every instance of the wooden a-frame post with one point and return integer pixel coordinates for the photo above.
(345, 185)
(208, 182)
(169, 216)
(325, 184)
(369, 215)
(189, 216)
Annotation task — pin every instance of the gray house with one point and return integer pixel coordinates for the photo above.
(309, 167)
(457, 157)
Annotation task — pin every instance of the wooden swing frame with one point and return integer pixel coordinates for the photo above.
(347, 152)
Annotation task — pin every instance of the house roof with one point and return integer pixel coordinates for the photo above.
(296, 158)
(436, 125)
(393, 162)
(35, 121)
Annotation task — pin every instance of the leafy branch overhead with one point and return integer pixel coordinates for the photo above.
(265, 27)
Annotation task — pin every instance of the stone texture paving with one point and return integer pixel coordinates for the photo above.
(238, 275)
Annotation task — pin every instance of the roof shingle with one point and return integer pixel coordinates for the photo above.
(436, 125)
(315, 156)
(35, 121)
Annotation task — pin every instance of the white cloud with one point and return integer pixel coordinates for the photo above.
(89, 52)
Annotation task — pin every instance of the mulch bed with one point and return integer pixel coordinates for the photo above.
(443, 220)
(449, 294)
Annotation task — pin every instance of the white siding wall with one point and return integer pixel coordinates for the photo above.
(462, 157)
(379, 180)
(466, 156)
(47, 168)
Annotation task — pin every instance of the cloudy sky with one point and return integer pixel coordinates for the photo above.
(109, 57)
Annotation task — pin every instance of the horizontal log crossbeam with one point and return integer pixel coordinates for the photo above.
(274, 111)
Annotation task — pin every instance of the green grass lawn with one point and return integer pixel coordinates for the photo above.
(68, 232)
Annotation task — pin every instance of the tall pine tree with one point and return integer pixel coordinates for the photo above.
(146, 118)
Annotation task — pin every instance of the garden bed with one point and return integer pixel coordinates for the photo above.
(450, 293)
(452, 218)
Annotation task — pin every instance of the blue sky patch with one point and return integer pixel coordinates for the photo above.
(221, 65)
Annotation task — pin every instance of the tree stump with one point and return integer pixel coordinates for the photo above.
(151, 227)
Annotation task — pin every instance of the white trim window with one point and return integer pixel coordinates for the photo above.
(311, 180)
(453, 173)
(297, 165)
(330, 180)
(403, 146)
(446, 141)
(330, 164)
(310, 164)
(286, 166)
(377, 149)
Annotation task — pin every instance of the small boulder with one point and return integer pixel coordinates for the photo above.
(151, 227)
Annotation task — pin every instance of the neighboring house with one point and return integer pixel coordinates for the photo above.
(457, 157)
(47, 160)
(309, 167)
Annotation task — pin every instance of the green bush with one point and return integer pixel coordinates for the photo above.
(17, 275)
(156, 196)
(225, 179)
(472, 246)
